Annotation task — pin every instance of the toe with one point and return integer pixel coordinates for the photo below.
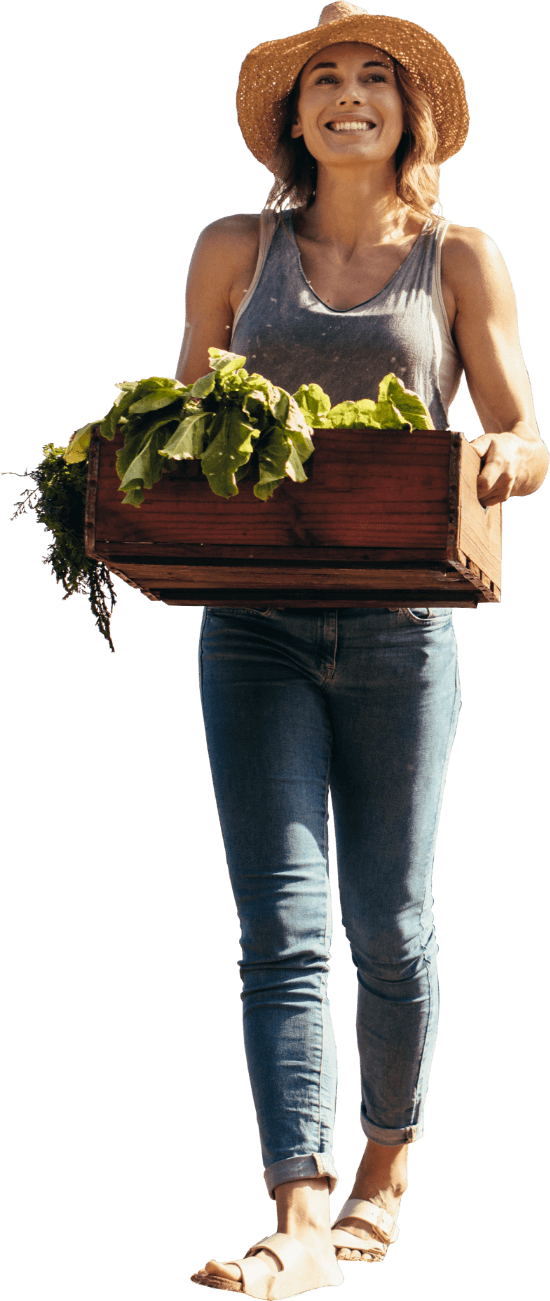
(355, 1255)
(223, 1270)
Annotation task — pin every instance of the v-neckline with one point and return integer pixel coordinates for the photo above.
(341, 311)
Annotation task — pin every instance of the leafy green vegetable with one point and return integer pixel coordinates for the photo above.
(228, 414)
(396, 408)
(221, 419)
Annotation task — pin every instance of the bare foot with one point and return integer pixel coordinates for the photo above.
(382, 1179)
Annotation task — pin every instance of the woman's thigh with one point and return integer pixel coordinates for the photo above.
(394, 701)
(269, 740)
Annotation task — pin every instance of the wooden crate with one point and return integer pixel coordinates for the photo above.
(386, 519)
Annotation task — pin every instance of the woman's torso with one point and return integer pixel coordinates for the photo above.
(343, 286)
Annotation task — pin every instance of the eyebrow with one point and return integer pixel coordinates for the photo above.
(372, 63)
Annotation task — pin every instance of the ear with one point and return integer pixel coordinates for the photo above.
(296, 129)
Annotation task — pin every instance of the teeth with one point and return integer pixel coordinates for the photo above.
(350, 126)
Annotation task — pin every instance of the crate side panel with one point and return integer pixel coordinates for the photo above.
(365, 491)
(480, 530)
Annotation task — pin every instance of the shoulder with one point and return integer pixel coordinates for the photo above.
(469, 257)
(468, 237)
(238, 230)
(225, 255)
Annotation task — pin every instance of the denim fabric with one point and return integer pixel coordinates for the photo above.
(364, 703)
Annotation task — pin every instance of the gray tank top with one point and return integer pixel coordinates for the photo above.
(289, 335)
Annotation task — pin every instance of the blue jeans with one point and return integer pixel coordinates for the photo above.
(366, 703)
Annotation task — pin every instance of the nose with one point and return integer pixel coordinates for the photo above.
(351, 89)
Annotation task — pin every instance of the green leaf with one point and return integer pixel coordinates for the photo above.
(254, 405)
(299, 430)
(313, 403)
(273, 454)
(155, 402)
(256, 388)
(224, 362)
(236, 382)
(190, 437)
(388, 417)
(139, 459)
(294, 468)
(407, 402)
(230, 447)
(203, 386)
(280, 406)
(79, 444)
(352, 415)
(132, 392)
(134, 496)
(116, 415)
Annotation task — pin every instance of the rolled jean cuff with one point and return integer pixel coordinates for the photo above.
(392, 1137)
(301, 1167)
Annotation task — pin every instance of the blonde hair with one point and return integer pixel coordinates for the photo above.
(417, 175)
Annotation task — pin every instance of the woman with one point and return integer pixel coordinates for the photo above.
(359, 278)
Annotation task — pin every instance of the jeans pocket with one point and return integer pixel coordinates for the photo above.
(427, 615)
(419, 614)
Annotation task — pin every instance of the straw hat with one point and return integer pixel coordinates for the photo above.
(270, 70)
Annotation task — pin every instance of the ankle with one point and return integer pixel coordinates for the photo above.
(382, 1174)
(303, 1208)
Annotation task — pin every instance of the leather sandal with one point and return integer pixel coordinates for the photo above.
(370, 1216)
(299, 1271)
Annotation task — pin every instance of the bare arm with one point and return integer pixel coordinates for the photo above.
(208, 316)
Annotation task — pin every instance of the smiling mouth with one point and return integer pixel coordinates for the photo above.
(350, 126)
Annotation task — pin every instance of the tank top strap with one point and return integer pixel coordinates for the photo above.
(268, 226)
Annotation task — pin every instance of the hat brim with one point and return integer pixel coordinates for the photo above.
(270, 70)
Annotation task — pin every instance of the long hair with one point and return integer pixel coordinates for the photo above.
(417, 175)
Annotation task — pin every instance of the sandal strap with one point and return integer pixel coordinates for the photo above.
(370, 1215)
(290, 1254)
(345, 1237)
(287, 1251)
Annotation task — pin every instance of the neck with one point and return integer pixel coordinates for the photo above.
(351, 209)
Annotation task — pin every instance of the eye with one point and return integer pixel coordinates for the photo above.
(376, 76)
(330, 76)
(327, 76)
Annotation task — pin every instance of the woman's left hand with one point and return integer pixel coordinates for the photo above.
(510, 466)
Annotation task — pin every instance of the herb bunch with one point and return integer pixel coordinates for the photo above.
(58, 500)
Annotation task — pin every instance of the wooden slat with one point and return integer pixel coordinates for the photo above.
(297, 576)
(325, 598)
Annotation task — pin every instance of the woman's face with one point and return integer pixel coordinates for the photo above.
(349, 107)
